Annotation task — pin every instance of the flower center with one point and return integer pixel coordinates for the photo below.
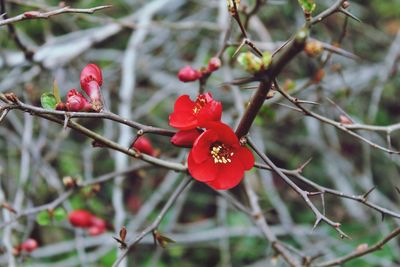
(221, 153)
(199, 104)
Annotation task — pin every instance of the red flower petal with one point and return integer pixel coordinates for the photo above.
(183, 120)
(183, 103)
(143, 144)
(229, 175)
(212, 111)
(246, 157)
(185, 138)
(224, 132)
(205, 171)
(201, 147)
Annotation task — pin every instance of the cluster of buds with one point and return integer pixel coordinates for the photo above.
(189, 74)
(86, 220)
(90, 79)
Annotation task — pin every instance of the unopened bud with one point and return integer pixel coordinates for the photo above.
(188, 74)
(313, 48)
(214, 64)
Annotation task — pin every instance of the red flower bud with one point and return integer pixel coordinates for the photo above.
(29, 245)
(81, 218)
(98, 226)
(61, 106)
(94, 230)
(188, 74)
(76, 101)
(144, 145)
(185, 138)
(214, 64)
(91, 80)
(345, 120)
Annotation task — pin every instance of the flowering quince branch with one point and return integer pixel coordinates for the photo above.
(17, 104)
(217, 157)
(102, 140)
(279, 60)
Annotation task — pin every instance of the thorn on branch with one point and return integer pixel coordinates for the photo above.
(317, 193)
(365, 196)
(347, 13)
(397, 189)
(67, 117)
(302, 166)
(317, 221)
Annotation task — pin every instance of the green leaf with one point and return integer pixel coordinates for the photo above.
(56, 92)
(250, 62)
(307, 5)
(48, 101)
(59, 214)
(43, 218)
(266, 59)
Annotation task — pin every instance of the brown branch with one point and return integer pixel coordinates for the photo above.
(171, 200)
(99, 139)
(344, 127)
(325, 190)
(102, 115)
(65, 195)
(45, 15)
(304, 194)
(362, 252)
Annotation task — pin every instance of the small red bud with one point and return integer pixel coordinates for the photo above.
(76, 101)
(61, 106)
(214, 64)
(185, 138)
(91, 80)
(80, 218)
(188, 74)
(345, 120)
(97, 227)
(91, 72)
(29, 245)
(144, 145)
(94, 230)
(31, 14)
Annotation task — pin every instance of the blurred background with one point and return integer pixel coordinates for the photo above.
(140, 46)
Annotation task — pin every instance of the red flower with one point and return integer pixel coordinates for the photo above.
(91, 80)
(76, 101)
(80, 218)
(188, 74)
(189, 115)
(29, 245)
(144, 145)
(218, 159)
(185, 138)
